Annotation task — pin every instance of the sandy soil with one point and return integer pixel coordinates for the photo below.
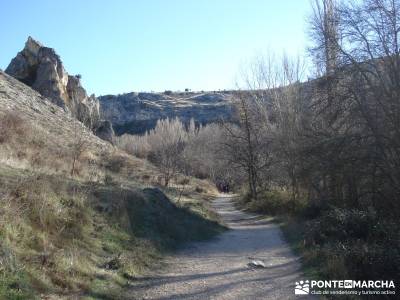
(218, 268)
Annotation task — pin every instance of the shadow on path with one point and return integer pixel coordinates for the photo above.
(218, 268)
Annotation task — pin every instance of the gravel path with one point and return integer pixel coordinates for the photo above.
(218, 268)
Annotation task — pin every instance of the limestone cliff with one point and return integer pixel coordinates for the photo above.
(42, 69)
(137, 112)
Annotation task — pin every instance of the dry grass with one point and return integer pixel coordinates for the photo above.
(61, 232)
(11, 125)
(30, 146)
(41, 220)
(61, 236)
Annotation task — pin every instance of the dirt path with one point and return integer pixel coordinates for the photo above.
(217, 269)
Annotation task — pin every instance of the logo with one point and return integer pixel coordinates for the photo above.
(348, 284)
(345, 287)
(302, 288)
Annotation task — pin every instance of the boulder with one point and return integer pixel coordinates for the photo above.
(105, 131)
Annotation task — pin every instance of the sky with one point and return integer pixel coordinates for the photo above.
(120, 46)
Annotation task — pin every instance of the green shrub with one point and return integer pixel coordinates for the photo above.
(15, 286)
(341, 224)
(352, 243)
(275, 202)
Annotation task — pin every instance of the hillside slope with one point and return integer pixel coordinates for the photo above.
(78, 217)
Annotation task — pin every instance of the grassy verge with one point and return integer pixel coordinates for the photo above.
(294, 232)
(61, 237)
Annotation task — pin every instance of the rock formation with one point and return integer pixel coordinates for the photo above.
(135, 113)
(41, 68)
(105, 131)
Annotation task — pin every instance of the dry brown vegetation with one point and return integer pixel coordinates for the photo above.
(11, 125)
(323, 152)
(327, 155)
(180, 150)
(63, 237)
(79, 217)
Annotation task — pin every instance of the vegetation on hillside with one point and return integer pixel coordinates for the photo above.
(83, 219)
(64, 236)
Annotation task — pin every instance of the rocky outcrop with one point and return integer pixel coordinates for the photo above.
(42, 69)
(105, 131)
(59, 128)
(137, 112)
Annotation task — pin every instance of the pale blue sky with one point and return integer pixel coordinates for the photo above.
(122, 46)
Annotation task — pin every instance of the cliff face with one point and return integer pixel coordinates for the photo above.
(137, 112)
(42, 69)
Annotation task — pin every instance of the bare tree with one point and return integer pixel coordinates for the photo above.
(324, 24)
(371, 54)
(167, 142)
(78, 145)
(263, 141)
(248, 146)
(289, 112)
